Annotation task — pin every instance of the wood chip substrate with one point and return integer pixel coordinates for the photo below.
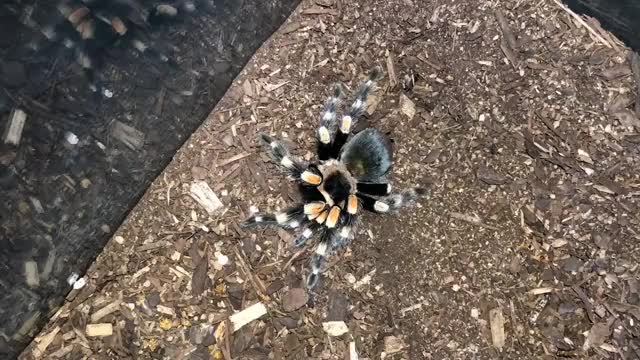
(521, 117)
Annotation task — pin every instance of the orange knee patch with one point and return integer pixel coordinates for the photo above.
(311, 178)
(334, 215)
(314, 208)
(322, 217)
(352, 204)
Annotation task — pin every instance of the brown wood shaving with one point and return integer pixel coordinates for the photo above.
(474, 220)
(391, 69)
(258, 286)
(585, 300)
(233, 159)
(316, 10)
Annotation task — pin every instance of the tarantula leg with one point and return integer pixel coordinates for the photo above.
(318, 259)
(281, 155)
(392, 202)
(147, 50)
(349, 121)
(331, 240)
(352, 204)
(327, 124)
(303, 237)
(375, 189)
(291, 218)
(343, 237)
(405, 197)
(373, 205)
(314, 208)
(88, 64)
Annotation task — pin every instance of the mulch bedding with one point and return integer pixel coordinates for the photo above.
(523, 121)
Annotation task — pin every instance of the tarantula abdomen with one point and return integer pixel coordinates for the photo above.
(368, 155)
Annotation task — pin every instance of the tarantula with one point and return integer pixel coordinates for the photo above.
(351, 175)
(88, 27)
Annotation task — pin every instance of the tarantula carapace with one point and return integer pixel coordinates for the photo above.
(351, 175)
(89, 27)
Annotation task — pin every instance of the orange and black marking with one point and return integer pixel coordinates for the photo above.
(118, 26)
(322, 217)
(314, 208)
(310, 177)
(78, 14)
(334, 216)
(86, 29)
(352, 204)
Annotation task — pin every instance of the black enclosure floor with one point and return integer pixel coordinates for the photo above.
(621, 17)
(83, 162)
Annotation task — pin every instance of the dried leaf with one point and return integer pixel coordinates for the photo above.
(598, 334)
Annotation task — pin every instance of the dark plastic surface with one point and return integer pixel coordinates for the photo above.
(621, 17)
(71, 180)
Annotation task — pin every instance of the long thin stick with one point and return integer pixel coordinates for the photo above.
(583, 23)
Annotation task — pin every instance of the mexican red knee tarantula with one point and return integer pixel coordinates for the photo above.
(351, 175)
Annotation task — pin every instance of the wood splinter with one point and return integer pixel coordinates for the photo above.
(13, 132)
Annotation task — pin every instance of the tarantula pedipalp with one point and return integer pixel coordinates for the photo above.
(351, 175)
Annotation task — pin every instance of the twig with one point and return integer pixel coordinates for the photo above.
(584, 23)
(235, 107)
(474, 220)
(587, 303)
(391, 69)
(227, 340)
(508, 44)
(506, 31)
(430, 63)
(258, 286)
(233, 159)
(292, 259)
(509, 53)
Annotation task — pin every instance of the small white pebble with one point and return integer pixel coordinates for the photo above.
(351, 279)
(71, 138)
(223, 260)
(119, 239)
(475, 313)
(455, 287)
